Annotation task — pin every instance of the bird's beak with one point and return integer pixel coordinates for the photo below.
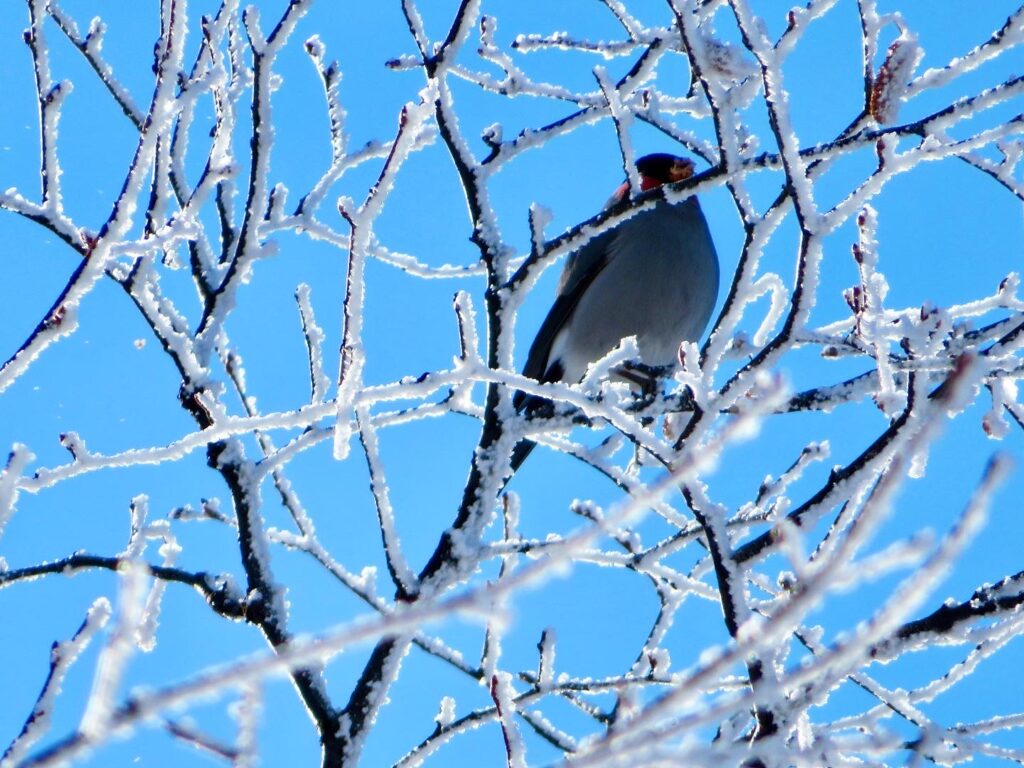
(681, 169)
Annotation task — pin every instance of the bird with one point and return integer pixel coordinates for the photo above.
(653, 276)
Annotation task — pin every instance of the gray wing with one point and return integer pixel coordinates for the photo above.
(581, 268)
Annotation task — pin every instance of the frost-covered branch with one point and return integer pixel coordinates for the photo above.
(712, 534)
(62, 656)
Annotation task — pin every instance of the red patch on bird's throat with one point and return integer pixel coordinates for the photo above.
(649, 182)
(646, 182)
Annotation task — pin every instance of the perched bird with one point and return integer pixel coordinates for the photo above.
(654, 276)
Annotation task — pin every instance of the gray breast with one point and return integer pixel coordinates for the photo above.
(660, 284)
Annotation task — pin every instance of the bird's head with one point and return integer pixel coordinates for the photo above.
(655, 170)
(662, 168)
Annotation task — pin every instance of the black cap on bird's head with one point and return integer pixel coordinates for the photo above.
(663, 168)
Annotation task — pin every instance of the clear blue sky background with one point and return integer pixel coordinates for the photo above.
(948, 235)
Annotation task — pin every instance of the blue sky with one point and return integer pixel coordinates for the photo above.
(948, 235)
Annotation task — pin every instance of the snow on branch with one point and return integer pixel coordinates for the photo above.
(732, 588)
(62, 656)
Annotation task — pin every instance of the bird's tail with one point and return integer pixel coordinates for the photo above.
(528, 405)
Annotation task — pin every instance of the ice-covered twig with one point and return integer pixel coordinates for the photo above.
(915, 588)
(111, 666)
(330, 75)
(19, 458)
(871, 325)
(568, 689)
(772, 488)
(62, 317)
(623, 120)
(314, 337)
(361, 221)
(799, 19)
(836, 490)
(62, 226)
(218, 592)
(62, 656)
(49, 96)
(404, 579)
(189, 734)
(249, 247)
(1008, 36)
(735, 608)
(246, 712)
(1002, 597)
(630, 23)
(90, 45)
(503, 695)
